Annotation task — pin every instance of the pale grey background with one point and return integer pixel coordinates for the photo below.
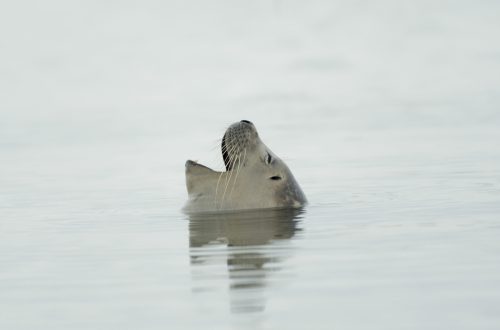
(388, 113)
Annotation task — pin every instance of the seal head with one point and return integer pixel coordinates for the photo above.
(255, 177)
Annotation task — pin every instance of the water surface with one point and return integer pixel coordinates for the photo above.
(387, 114)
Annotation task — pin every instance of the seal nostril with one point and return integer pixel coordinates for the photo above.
(276, 177)
(246, 121)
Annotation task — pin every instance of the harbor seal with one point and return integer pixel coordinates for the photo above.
(255, 178)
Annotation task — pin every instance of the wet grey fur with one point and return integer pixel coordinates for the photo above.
(255, 178)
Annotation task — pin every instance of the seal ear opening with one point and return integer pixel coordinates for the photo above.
(225, 154)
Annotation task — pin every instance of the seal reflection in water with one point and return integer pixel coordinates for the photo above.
(255, 177)
(243, 252)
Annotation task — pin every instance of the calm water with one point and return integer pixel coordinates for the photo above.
(388, 116)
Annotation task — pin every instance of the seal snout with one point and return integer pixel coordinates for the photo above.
(236, 140)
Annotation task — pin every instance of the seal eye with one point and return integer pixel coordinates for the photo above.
(269, 159)
(275, 178)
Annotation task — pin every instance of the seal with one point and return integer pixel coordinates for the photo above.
(255, 178)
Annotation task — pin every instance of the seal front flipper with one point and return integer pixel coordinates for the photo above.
(194, 168)
(196, 173)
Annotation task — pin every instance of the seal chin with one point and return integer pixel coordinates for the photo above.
(225, 154)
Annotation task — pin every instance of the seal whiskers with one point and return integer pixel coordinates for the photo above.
(232, 159)
(229, 158)
(238, 171)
